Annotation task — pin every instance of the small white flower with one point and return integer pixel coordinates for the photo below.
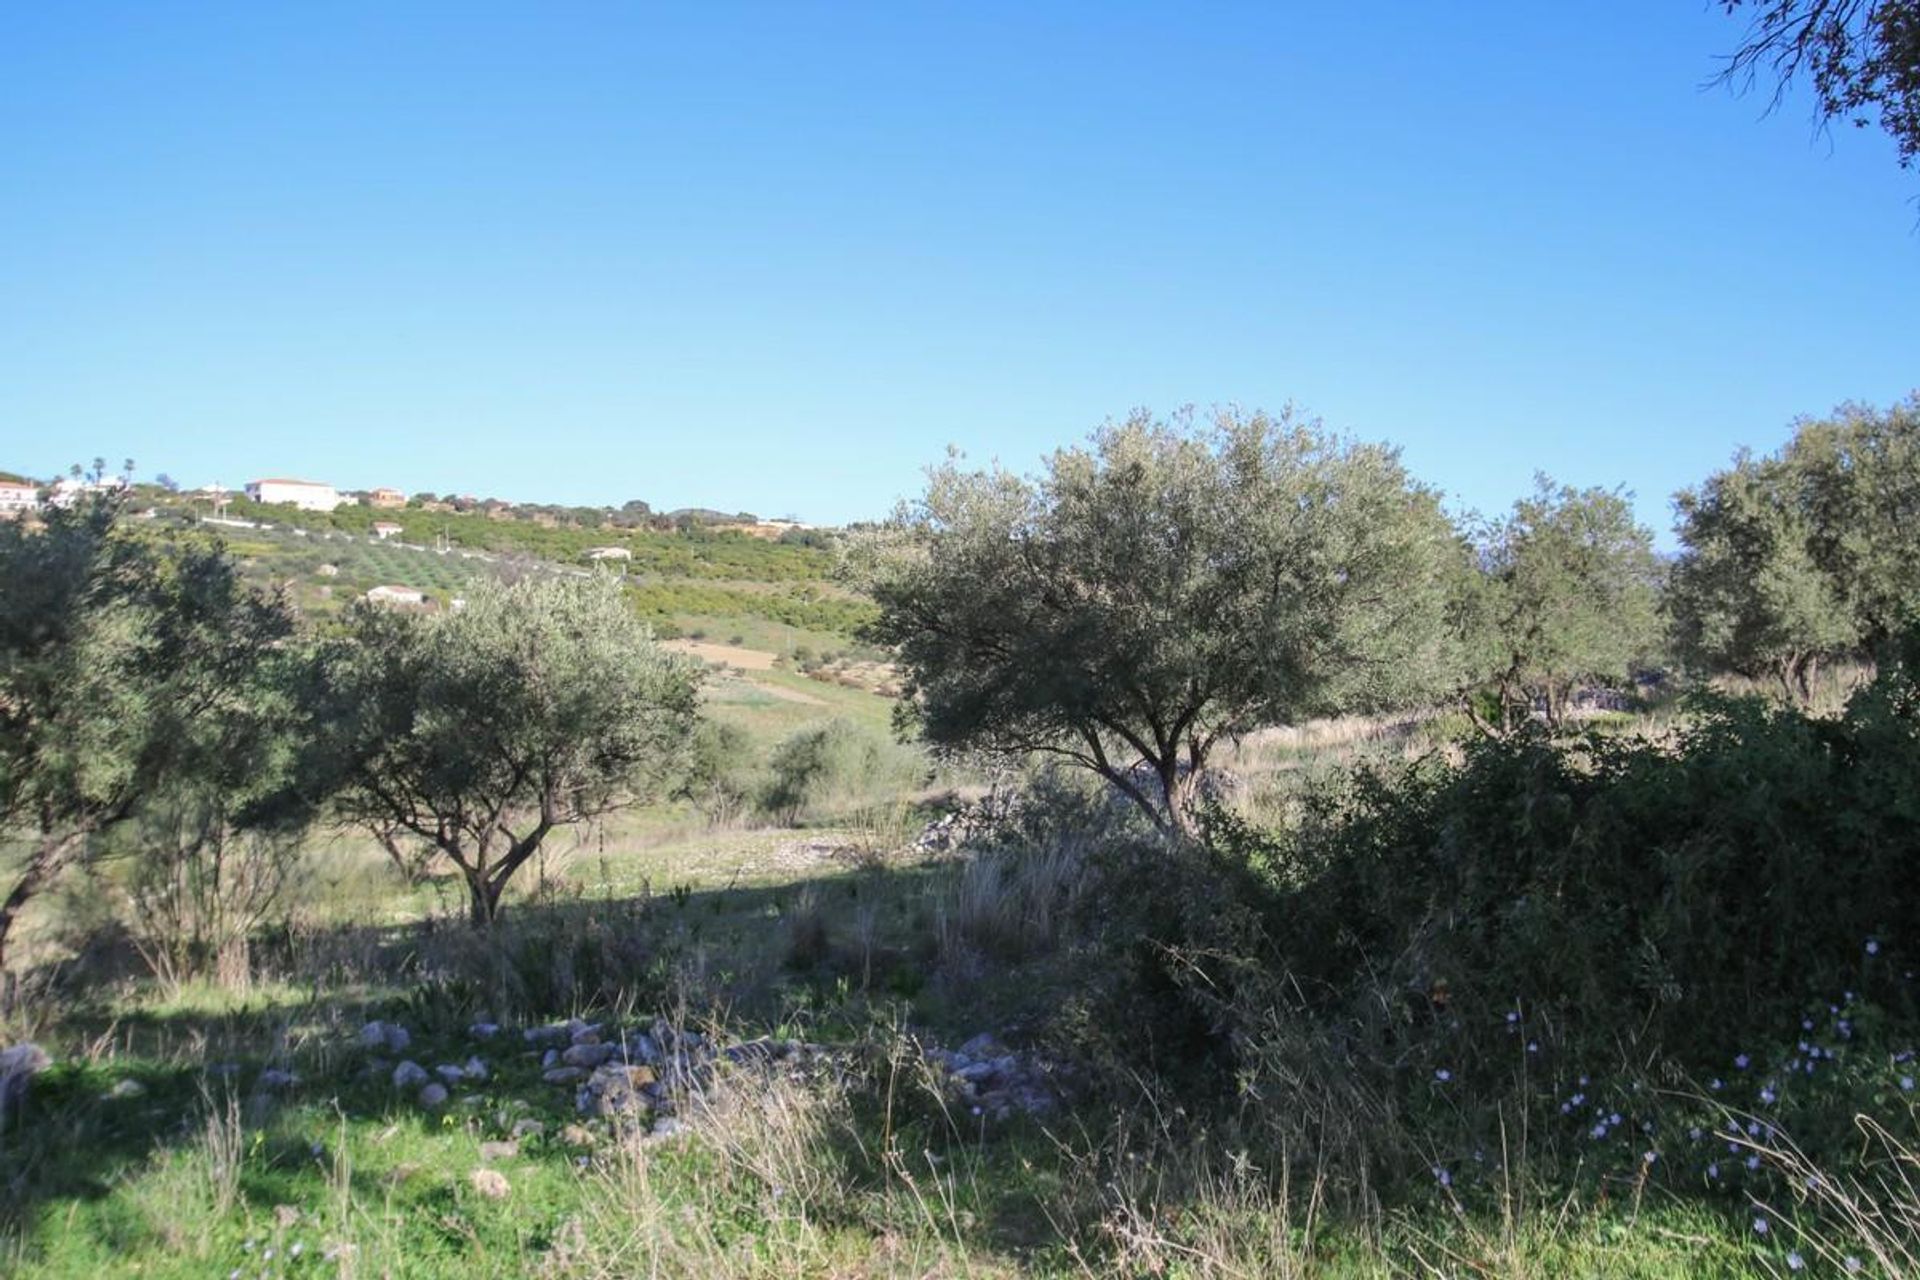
(1741, 1060)
(1648, 1157)
(1760, 1226)
(1906, 1084)
(1852, 1263)
(1795, 1262)
(1443, 1075)
(1873, 946)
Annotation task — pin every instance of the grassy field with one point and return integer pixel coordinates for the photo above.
(162, 1144)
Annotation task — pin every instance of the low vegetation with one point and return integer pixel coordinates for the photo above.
(505, 941)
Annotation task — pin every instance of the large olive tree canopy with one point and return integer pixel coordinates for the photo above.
(541, 704)
(1164, 588)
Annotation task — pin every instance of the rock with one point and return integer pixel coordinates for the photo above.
(450, 1073)
(528, 1129)
(564, 1075)
(390, 1036)
(126, 1089)
(499, 1150)
(474, 1069)
(667, 1127)
(616, 1090)
(587, 1054)
(433, 1097)
(577, 1135)
(484, 1030)
(555, 1034)
(583, 1032)
(19, 1064)
(490, 1183)
(983, 1046)
(408, 1074)
(551, 1058)
(642, 1047)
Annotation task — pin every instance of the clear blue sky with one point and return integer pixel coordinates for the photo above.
(777, 257)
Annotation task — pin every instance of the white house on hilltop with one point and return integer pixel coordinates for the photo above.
(17, 499)
(609, 553)
(384, 529)
(304, 494)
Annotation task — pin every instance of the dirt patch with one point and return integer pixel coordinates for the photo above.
(723, 655)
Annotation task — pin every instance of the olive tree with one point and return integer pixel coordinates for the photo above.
(541, 704)
(1563, 592)
(1806, 556)
(1165, 588)
(125, 658)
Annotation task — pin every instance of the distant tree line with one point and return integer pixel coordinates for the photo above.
(1163, 590)
(1172, 585)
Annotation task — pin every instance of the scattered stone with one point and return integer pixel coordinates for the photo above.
(18, 1064)
(126, 1089)
(474, 1069)
(555, 1034)
(667, 1127)
(491, 1151)
(408, 1074)
(616, 1090)
(450, 1073)
(564, 1075)
(390, 1036)
(528, 1129)
(642, 1047)
(587, 1054)
(577, 1135)
(433, 1097)
(490, 1183)
(581, 1032)
(285, 1216)
(550, 1059)
(484, 1030)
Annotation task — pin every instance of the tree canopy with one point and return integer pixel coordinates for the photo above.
(1807, 555)
(1862, 57)
(128, 663)
(1167, 587)
(541, 704)
(1564, 592)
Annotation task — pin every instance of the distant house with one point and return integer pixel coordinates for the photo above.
(67, 490)
(609, 553)
(304, 494)
(384, 529)
(18, 499)
(396, 595)
(386, 498)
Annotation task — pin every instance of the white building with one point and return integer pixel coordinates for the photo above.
(17, 499)
(384, 529)
(609, 553)
(304, 494)
(396, 595)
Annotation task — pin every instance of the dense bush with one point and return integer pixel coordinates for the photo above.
(1681, 895)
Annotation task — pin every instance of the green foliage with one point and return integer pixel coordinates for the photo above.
(1680, 898)
(1565, 596)
(542, 704)
(830, 766)
(128, 664)
(1159, 591)
(1807, 556)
